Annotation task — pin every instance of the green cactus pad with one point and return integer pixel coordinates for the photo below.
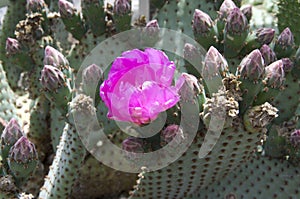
(94, 177)
(288, 99)
(7, 98)
(190, 173)
(260, 177)
(64, 169)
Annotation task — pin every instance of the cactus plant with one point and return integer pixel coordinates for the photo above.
(233, 79)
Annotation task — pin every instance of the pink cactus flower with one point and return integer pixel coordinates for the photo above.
(138, 86)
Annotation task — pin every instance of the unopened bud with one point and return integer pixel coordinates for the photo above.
(236, 22)
(23, 151)
(214, 64)
(11, 133)
(287, 64)
(91, 75)
(275, 74)
(52, 78)
(202, 22)
(268, 54)
(286, 38)
(247, 11)
(132, 147)
(54, 58)
(66, 8)
(225, 8)
(265, 35)
(12, 46)
(35, 5)
(295, 138)
(152, 28)
(122, 7)
(252, 66)
(172, 132)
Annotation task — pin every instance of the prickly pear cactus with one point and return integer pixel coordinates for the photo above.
(233, 80)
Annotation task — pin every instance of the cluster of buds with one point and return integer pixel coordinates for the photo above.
(18, 153)
(52, 78)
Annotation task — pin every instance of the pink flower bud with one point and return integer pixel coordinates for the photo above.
(12, 46)
(122, 7)
(52, 78)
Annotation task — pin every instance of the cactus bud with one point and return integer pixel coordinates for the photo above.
(131, 146)
(22, 159)
(66, 8)
(252, 66)
(287, 64)
(225, 8)
(52, 78)
(275, 74)
(11, 133)
(35, 5)
(172, 132)
(23, 151)
(265, 35)
(122, 7)
(202, 22)
(91, 75)
(194, 59)
(295, 138)
(247, 11)
(286, 38)
(12, 46)
(189, 88)
(152, 27)
(236, 22)
(268, 54)
(214, 64)
(284, 46)
(190, 51)
(54, 58)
